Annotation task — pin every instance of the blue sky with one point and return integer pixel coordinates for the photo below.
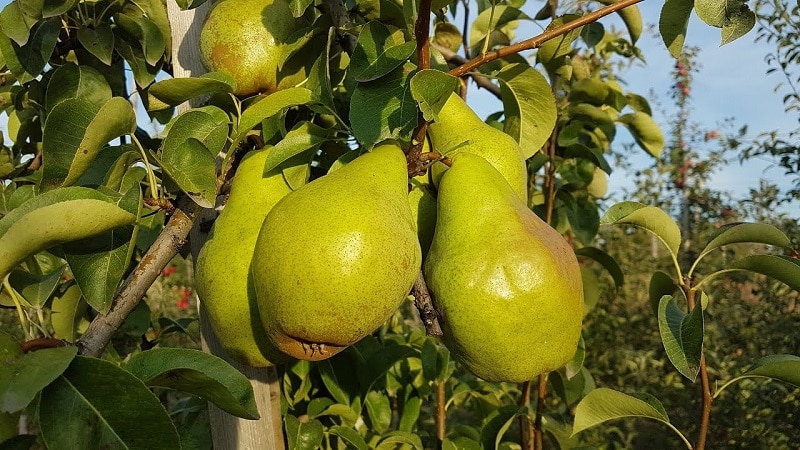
(731, 83)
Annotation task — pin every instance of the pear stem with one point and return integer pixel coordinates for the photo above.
(424, 304)
(537, 41)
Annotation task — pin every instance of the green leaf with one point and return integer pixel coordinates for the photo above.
(645, 131)
(190, 4)
(99, 41)
(497, 423)
(35, 288)
(379, 411)
(378, 52)
(174, 91)
(26, 62)
(648, 218)
(737, 233)
(603, 404)
(383, 109)
(738, 24)
(303, 435)
(305, 136)
(682, 336)
(550, 52)
(197, 373)
(143, 73)
(22, 376)
(15, 23)
(575, 365)
(81, 213)
(496, 24)
(156, 11)
(100, 262)
(107, 407)
(530, 108)
(331, 381)
(394, 440)
(75, 132)
(349, 436)
(319, 78)
(782, 268)
(785, 368)
(661, 284)
(632, 18)
(672, 24)
(431, 89)
(146, 33)
(591, 153)
(590, 90)
(269, 106)
(584, 220)
(716, 12)
(73, 81)
(410, 414)
(298, 7)
(572, 390)
(429, 356)
(461, 443)
(68, 312)
(20, 442)
(605, 260)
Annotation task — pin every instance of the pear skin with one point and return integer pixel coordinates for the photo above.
(458, 129)
(507, 285)
(335, 258)
(223, 264)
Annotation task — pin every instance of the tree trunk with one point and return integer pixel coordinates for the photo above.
(228, 432)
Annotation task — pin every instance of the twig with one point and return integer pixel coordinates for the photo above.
(338, 12)
(441, 414)
(541, 395)
(708, 397)
(166, 246)
(537, 41)
(424, 304)
(422, 30)
(42, 343)
(457, 60)
(525, 422)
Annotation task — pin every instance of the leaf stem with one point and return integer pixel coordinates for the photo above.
(151, 176)
(18, 305)
(441, 413)
(537, 41)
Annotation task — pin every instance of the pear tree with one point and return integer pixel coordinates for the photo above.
(376, 266)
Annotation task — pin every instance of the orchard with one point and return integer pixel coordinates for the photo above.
(269, 224)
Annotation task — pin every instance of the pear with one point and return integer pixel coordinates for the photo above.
(335, 258)
(422, 199)
(223, 264)
(598, 187)
(458, 129)
(507, 286)
(243, 39)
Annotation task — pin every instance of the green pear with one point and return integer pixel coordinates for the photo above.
(423, 213)
(335, 258)
(507, 286)
(598, 187)
(223, 264)
(243, 39)
(458, 129)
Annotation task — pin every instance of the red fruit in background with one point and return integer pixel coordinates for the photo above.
(182, 303)
(169, 271)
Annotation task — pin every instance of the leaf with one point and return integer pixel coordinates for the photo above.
(429, 355)
(591, 153)
(672, 24)
(146, 32)
(431, 89)
(682, 336)
(605, 260)
(349, 436)
(784, 368)
(497, 423)
(737, 233)
(716, 12)
(100, 262)
(648, 218)
(144, 74)
(529, 105)
(395, 438)
(195, 372)
(584, 220)
(645, 132)
(26, 62)
(73, 81)
(99, 41)
(632, 18)
(782, 268)
(303, 137)
(383, 109)
(319, 78)
(53, 8)
(81, 213)
(549, 52)
(106, 406)
(36, 289)
(661, 284)
(603, 404)
(379, 411)
(378, 52)
(572, 390)
(298, 7)
(22, 376)
(410, 414)
(303, 435)
(67, 312)
(738, 24)
(575, 365)
(269, 106)
(331, 382)
(15, 23)
(75, 132)
(174, 91)
(495, 24)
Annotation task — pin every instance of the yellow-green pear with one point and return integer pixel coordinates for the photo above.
(458, 129)
(508, 286)
(423, 212)
(598, 187)
(243, 38)
(335, 258)
(223, 264)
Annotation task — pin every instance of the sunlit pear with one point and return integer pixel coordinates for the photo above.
(458, 129)
(422, 199)
(598, 187)
(507, 285)
(243, 39)
(223, 265)
(337, 257)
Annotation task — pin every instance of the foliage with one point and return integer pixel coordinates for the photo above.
(92, 207)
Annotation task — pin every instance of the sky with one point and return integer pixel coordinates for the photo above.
(732, 83)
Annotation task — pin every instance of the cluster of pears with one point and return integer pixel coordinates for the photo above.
(306, 273)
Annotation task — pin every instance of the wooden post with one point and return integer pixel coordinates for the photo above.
(228, 432)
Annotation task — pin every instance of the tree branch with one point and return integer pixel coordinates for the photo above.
(167, 245)
(424, 304)
(457, 60)
(537, 41)
(422, 31)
